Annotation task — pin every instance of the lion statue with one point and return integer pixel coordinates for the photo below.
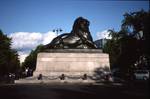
(79, 38)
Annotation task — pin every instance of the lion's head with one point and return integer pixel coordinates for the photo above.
(81, 24)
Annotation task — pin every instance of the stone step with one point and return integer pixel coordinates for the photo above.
(24, 81)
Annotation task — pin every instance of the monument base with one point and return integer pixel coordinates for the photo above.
(71, 62)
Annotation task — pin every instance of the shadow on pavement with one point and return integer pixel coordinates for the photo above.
(73, 91)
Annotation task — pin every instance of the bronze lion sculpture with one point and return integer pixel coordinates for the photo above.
(79, 38)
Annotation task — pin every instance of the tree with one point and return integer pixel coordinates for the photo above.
(30, 61)
(138, 22)
(128, 45)
(9, 62)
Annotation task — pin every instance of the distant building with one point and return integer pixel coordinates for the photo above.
(100, 43)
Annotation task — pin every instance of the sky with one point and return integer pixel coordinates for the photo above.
(30, 22)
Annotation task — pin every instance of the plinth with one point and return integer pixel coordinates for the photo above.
(71, 62)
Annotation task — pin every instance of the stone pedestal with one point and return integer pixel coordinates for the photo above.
(71, 62)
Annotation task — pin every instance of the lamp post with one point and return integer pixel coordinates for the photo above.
(57, 30)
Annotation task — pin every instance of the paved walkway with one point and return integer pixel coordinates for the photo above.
(71, 91)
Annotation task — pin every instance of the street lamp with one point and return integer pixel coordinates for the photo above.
(57, 30)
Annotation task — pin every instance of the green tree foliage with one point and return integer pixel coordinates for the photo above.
(9, 62)
(30, 61)
(128, 45)
(138, 22)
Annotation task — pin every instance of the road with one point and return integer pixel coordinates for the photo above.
(72, 91)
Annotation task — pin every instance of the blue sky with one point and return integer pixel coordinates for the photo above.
(46, 15)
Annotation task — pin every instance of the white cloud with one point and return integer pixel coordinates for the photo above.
(24, 42)
(22, 55)
(103, 35)
(47, 37)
